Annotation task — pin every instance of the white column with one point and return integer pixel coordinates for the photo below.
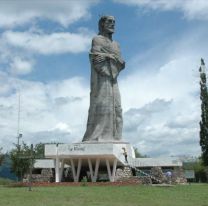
(114, 170)
(96, 169)
(111, 175)
(91, 169)
(57, 172)
(79, 168)
(61, 170)
(108, 169)
(74, 172)
(94, 174)
(73, 169)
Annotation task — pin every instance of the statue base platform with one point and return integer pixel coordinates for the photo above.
(89, 157)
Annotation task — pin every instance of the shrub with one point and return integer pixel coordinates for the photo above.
(84, 181)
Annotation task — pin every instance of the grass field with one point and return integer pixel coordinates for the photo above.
(181, 195)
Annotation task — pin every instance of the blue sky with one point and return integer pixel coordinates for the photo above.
(44, 56)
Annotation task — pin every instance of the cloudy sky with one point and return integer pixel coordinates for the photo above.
(44, 49)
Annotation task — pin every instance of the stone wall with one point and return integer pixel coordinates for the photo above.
(178, 176)
(156, 176)
(45, 176)
(125, 175)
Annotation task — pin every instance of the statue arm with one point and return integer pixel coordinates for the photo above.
(98, 52)
(119, 60)
(98, 57)
(101, 57)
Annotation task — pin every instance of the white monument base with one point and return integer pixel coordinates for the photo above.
(91, 155)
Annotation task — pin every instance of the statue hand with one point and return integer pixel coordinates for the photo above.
(97, 58)
(121, 62)
(111, 56)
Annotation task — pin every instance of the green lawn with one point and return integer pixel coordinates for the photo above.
(181, 195)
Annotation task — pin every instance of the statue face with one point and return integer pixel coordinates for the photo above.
(109, 25)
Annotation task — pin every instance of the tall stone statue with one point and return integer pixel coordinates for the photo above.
(105, 113)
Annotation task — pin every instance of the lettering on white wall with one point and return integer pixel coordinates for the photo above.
(72, 148)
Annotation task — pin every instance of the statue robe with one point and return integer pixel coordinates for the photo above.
(105, 113)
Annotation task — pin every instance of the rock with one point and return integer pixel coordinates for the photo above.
(178, 176)
(123, 174)
(146, 180)
(157, 174)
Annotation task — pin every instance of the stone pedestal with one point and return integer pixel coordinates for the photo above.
(90, 156)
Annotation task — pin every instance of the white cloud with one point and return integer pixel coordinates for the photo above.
(162, 128)
(42, 119)
(161, 99)
(18, 49)
(20, 66)
(192, 9)
(15, 61)
(162, 107)
(174, 80)
(62, 126)
(47, 44)
(64, 12)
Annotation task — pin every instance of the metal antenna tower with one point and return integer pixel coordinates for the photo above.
(19, 135)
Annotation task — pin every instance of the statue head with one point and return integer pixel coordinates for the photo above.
(106, 24)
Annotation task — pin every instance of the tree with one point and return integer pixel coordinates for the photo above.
(19, 165)
(20, 158)
(138, 154)
(39, 150)
(1, 156)
(204, 114)
(199, 169)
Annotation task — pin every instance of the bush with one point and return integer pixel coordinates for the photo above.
(199, 169)
(84, 181)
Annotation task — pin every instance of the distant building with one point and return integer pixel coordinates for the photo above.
(169, 164)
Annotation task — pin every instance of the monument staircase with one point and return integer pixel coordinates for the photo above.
(153, 178)
(144, 174)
